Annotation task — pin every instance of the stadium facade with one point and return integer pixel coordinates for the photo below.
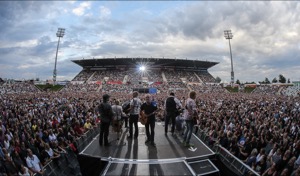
(152, 64)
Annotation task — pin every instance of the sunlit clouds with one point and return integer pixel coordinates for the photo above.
(265, 43)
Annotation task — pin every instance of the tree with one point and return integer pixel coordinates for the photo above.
(274, 80)
(289, 80)
(218, 79)
(267, 81)
(238, 81)
(282, 79)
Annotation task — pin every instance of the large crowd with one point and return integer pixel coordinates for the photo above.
(37, 127)
(261, 129)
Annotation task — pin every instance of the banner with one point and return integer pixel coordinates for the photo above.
(114, 82)
(152, 90)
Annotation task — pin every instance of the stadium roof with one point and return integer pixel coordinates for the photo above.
(152, 62)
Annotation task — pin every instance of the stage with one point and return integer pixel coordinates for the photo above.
(169, 156)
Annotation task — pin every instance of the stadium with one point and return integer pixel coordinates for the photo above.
(237, 133)
(155, 72)
(149, 88)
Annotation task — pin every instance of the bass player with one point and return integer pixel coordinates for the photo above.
(148, 110)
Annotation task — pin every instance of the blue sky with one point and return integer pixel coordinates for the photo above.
(266, 39)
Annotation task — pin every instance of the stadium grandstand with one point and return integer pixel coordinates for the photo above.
(124, 73)
(237, 133)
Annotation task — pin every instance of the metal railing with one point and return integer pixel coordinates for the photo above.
(226, 157)
(68, 164)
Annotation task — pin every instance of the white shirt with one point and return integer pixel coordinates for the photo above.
(50, 152)
(6, 144)
(33, 162)
(26, 172)
(192, 109)
(117, 112)
(136, 103)
(52, 137)
(259, 157)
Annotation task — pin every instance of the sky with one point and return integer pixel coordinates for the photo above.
(265, 43)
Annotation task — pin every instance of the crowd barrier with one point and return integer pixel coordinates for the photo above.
(68, 164)
(225, 156)
(84, 140)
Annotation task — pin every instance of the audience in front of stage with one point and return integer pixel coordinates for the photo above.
(242, 123)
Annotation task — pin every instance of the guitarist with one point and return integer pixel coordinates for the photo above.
(135, 106)
(172, 106)
(148, 110)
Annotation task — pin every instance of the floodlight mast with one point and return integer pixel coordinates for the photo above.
(60, 33)
(228, 35)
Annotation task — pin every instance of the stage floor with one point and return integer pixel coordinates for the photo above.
(168, 147)
(133, 157)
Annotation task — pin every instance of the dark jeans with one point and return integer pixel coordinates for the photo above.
(104, 132)
(188, 131)
(150, 132)
(170, 116)
(133, 120)
(126, 121)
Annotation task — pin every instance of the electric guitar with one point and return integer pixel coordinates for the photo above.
(144, 116)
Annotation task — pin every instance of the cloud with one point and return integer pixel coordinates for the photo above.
(265, 42)
(80, 10)
(104, 12)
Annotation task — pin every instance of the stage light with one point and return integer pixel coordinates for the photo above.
(142, 68)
